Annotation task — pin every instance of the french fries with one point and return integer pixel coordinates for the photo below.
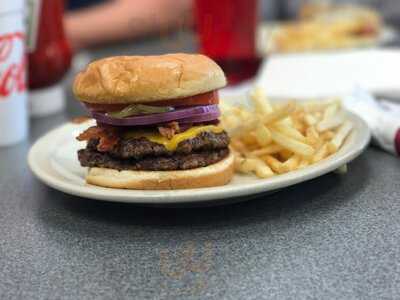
(321, 153)
(260, 101)
(341, 170)
(248, 165)
(331, 122)
(313, 138)
(337, 141)
(263, 135)
(289, 131)
(292, 144)
(292, 163)
(279, 114)
(271, 149)
(274, 163)
(276, 138)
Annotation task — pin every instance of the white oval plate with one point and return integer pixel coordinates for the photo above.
(54, 161)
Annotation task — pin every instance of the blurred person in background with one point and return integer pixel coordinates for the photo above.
(89, 23)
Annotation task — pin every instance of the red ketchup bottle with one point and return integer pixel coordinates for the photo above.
(49, 56)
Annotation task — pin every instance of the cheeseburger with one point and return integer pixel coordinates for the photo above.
(157, 122)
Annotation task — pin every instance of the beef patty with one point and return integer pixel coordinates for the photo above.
(92, 158)
(141, 154)
(138, 148)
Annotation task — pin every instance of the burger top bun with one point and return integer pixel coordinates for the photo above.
(140, 79)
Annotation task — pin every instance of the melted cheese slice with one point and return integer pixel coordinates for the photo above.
(172, 144)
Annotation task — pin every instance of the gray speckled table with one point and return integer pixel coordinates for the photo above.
(336, 237)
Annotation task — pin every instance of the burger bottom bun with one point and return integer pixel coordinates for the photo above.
(216, 174)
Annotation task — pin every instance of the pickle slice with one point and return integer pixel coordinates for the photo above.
(139, 109)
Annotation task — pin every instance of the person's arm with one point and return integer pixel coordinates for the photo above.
(124, 19)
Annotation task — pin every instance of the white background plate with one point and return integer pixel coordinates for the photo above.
(54, 161)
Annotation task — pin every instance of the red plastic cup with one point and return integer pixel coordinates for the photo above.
(226, 32)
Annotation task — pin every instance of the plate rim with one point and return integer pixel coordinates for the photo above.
(196, 195)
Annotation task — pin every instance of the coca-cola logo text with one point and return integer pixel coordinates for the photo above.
(12, 74)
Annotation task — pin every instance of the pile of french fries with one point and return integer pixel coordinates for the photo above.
(275, 138)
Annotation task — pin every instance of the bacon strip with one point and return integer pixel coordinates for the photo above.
(168, 130)
(80, 119)
(107, 137)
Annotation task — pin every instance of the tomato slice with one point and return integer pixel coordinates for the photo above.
(201, 99)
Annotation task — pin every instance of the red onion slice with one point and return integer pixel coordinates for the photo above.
(191, 115)
(199, 119)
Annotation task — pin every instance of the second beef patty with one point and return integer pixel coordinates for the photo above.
(92, 158)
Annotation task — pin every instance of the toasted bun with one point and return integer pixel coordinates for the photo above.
(133, 79)
(216, 174)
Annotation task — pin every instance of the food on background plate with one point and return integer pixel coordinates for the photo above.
(327, 26)
(276, 138)
(157, 122)
(311, 9)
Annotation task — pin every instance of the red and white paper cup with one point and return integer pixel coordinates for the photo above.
(13, 95)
